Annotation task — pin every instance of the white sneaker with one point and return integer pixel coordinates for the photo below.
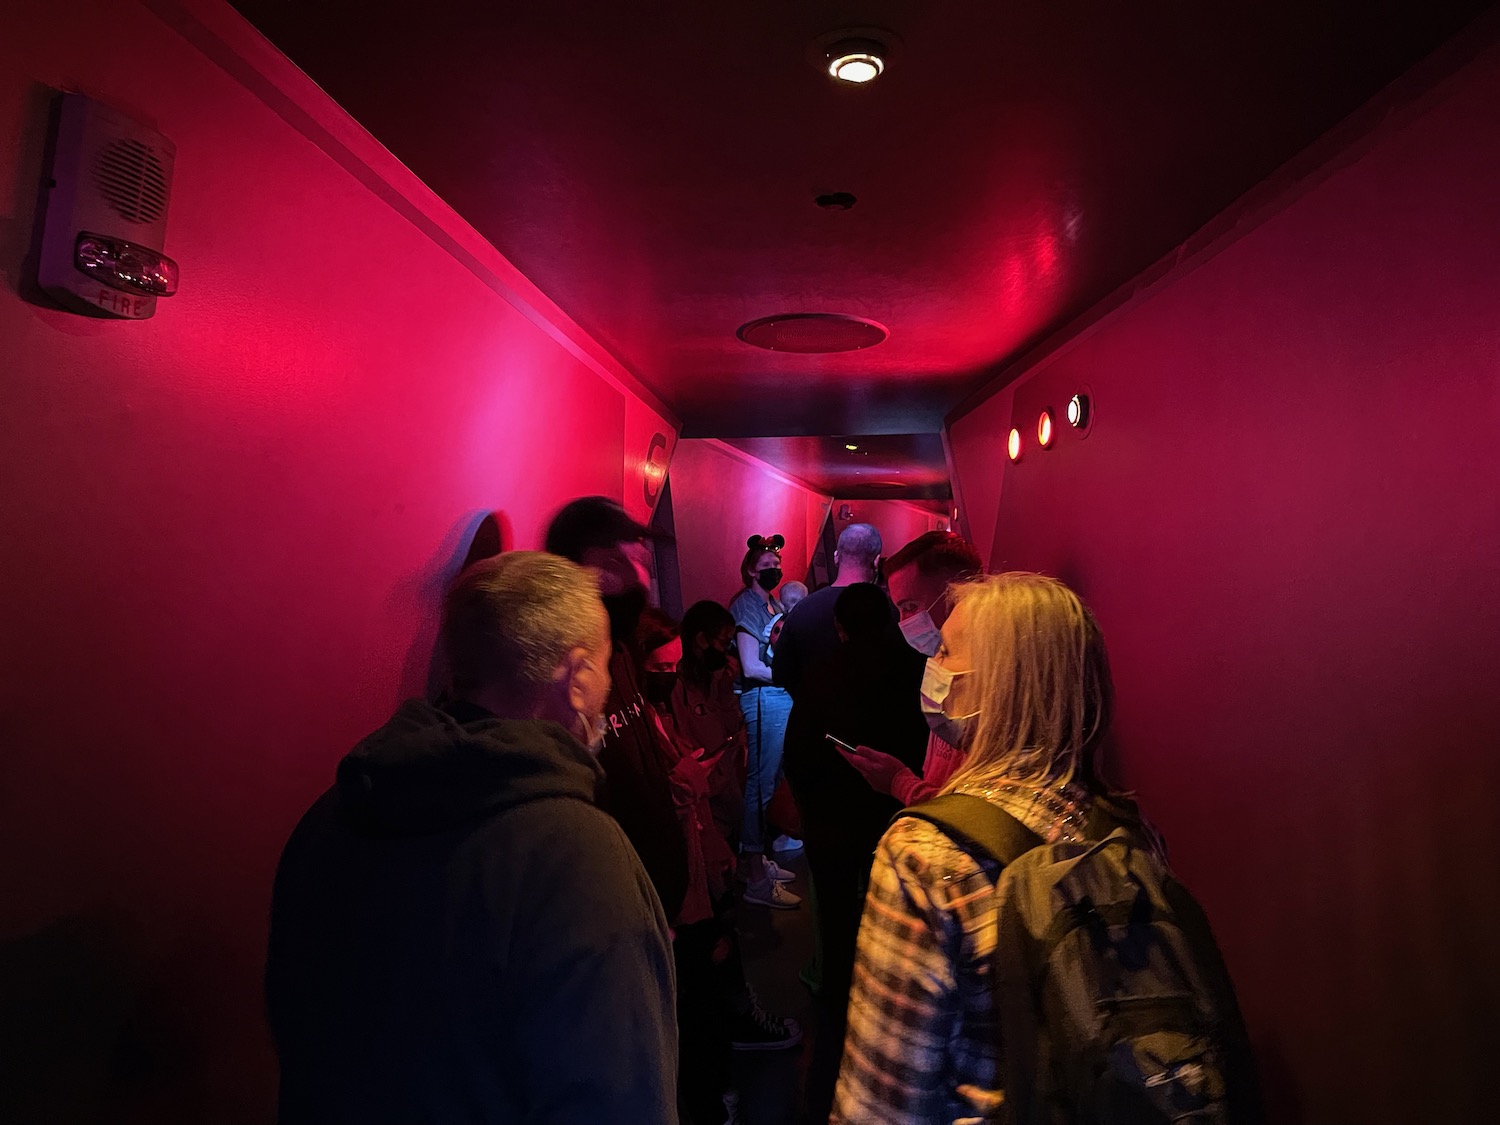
(777, 873)
(768, 892)
(786, 845)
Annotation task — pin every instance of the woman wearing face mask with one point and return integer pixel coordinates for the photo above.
(765, 708)
(706, 712)
(716, 1009)
(1021, 681)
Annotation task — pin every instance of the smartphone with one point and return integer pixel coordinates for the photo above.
(840, 743)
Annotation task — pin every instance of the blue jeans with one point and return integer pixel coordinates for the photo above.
(766, 710)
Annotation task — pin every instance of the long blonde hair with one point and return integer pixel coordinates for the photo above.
(1042, 682)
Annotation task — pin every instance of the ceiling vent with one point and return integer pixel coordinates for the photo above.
(811, 333)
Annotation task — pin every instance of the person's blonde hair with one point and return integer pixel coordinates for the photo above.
(509, 621)
(1041, 682)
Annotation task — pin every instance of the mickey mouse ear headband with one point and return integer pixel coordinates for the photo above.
(769, 542)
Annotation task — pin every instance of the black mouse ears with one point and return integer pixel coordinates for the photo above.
(769, 542)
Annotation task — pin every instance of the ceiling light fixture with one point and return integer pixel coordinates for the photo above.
(854, 56)
(856, 61)
(851, 447)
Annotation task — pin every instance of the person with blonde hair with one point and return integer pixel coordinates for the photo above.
(1021, 682)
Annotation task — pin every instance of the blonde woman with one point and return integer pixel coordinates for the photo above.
(1021, 683)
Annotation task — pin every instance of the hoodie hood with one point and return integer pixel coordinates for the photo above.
(428, 770)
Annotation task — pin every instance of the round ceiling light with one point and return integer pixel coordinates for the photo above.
(813, 333)
(856, 61)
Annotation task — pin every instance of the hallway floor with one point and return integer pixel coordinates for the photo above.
(777, 945)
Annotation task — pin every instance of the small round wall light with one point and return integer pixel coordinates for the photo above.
(1044, 429)
(1013, 446)
(1081, 411)
(1078, 411)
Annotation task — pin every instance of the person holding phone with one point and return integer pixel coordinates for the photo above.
(920, 575)
(866, 693)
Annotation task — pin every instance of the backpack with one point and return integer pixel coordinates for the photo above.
(1114, 1004)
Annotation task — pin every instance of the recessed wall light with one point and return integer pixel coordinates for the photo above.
(1078, 411)
(1013, 446)
(1044, 429)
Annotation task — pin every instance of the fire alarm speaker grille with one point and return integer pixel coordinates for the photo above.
(810, 333)
(133, 180)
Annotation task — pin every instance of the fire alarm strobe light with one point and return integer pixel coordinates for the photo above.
(106, 214)
(1044, 429)
(1013, 447)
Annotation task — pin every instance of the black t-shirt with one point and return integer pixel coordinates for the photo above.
(636, 790)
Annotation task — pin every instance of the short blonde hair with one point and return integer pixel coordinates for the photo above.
(509, 621)
(1042, 682)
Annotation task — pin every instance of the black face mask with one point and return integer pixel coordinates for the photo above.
(659, 687)
(624, 611)
(714, 659)
(768, 579)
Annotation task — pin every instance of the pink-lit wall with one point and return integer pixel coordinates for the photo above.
(897, 521)
(1287, 517)
(976, 466)
(722, 496)
(227, 532)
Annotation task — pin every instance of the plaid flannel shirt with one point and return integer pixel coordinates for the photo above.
(922, 1021)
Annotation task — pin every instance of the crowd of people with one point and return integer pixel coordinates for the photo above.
(517, 902)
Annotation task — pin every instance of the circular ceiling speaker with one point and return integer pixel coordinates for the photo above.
(813, 333)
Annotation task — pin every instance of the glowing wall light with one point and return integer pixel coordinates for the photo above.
(1013, 446)
(1080, 411)
(1044, 429)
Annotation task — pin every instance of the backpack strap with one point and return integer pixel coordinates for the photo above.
(978, 828)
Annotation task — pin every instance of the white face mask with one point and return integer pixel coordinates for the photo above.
(937, 683)
(922, 634)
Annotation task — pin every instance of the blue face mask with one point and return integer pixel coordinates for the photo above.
(922, 633)
(937, 684)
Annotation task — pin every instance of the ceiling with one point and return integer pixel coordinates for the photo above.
(652, 167)
(880, 467)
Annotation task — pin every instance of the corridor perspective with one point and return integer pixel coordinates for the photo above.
(307, 307)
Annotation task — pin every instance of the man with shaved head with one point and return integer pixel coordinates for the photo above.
(809, 638)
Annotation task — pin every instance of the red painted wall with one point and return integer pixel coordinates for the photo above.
(977, 465)
(722, 496)
(898, 522)
(227, 531)
(1286, 517)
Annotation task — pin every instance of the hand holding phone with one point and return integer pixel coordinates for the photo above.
(876, 768)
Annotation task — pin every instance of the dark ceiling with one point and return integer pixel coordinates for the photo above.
(653, 166)
(880, 467)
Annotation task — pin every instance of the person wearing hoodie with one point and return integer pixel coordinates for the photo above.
(458, 933)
